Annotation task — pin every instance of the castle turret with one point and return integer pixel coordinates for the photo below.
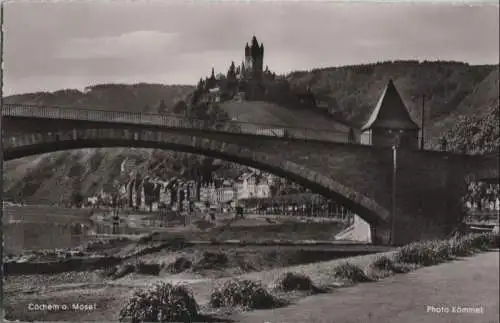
(211, 82)
(255, 43)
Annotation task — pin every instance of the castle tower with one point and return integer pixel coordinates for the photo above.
(254, 59)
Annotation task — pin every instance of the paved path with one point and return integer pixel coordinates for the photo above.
(472, 282)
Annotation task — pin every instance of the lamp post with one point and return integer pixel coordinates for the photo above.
(422, 98)
(395, 148)
(1, 152)
(422, 123)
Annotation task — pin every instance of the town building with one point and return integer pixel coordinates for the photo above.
(218, 192)
(254, 184)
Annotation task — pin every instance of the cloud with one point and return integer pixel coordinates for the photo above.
(130, 45)
(61, 45)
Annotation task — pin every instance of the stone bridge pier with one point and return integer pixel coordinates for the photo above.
(428, 195)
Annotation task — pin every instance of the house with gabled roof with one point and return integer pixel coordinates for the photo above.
(391, 122)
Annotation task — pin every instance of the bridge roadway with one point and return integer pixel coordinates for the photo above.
(429, 185)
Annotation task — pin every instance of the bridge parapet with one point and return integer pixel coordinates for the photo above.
(174, 122)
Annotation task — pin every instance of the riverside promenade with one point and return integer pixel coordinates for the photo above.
(433, 294)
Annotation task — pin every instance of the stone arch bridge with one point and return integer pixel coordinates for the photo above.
(428, 185)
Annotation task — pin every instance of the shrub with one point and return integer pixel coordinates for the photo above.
(294, 281)
(245, 293)
(109, 271)
(98, 245)
(94, 245)
(423, 254)
(179, 265)
(177, 243)
(147, 238)
(123, 270)
(442, 250)
(383, 263)
(173, 242)
(212, 260)
(163, 303)
(386, 264)
(493, 239)
(459, 247)
(147, 269)
(482, 241)
(350, 272)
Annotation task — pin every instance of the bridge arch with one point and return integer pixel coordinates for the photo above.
(27, 144)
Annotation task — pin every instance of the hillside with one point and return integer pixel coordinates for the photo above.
(51, 178)
(266, 113)
(141, 97)
(274, 114)
(357, 88)
(454, 91)
(477, 104)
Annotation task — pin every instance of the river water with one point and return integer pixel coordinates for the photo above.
(45, 227)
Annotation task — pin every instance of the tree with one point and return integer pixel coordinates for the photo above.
(180, 107)
(201, 85)
(77, 199)
(477, 134)
(163, 107)
(149, 194)
(231, 73)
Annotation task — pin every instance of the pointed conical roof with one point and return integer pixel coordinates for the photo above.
(390, 112)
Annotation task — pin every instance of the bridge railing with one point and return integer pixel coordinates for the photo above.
(178, 122)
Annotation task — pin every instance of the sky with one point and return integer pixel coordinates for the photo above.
(60, 45)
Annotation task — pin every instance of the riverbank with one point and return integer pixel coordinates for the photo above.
(110, 294)
(102, 274)
(46, 228)
(106, 269)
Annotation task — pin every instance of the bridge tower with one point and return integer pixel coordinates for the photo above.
(390, 121)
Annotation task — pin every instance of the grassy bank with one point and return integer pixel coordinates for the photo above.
(258, 293)
(220, 295)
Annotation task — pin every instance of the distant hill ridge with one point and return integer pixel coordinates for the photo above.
(141, 97)
(452, 89)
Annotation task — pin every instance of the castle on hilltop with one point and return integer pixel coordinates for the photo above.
(241, 82)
